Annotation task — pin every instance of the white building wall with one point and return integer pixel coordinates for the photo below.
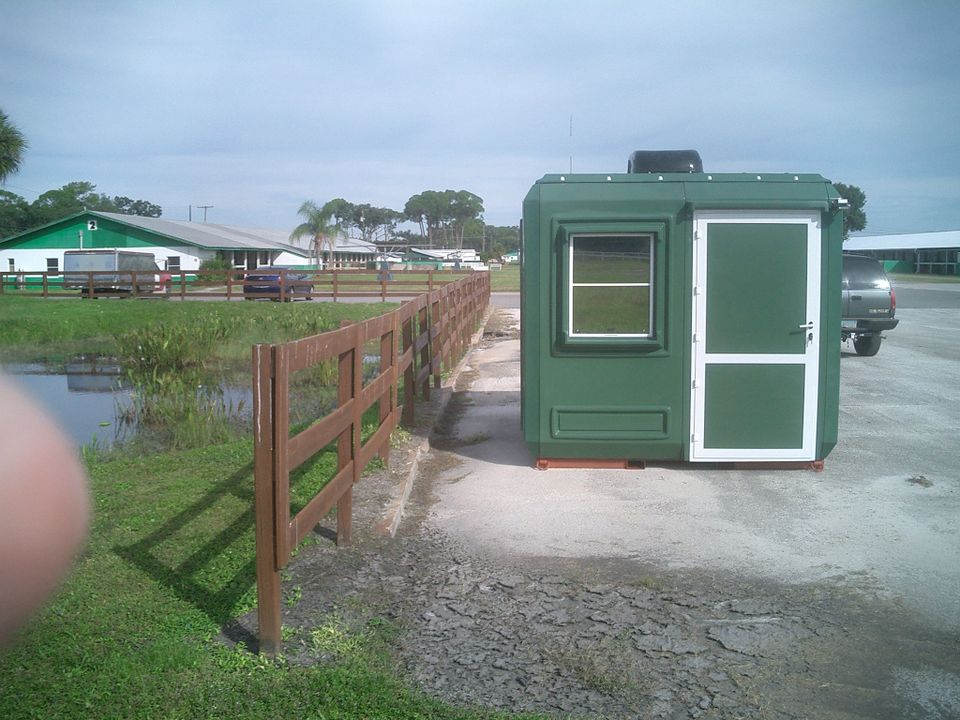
(288, 258)
(190, 256)
(28, 260)
(36, 260)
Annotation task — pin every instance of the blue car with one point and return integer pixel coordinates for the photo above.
(265, 283)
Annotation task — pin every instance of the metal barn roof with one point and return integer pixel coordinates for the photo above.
(225, 237)
(209, 235)
(447, 253)
(908, 241)
(216, 237)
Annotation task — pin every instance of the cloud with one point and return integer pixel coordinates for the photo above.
(256, 108)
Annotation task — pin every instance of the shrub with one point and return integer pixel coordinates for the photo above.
(213, 271)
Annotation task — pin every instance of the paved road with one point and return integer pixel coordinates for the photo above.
(927, 295)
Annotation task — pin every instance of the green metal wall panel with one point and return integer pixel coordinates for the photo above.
(754, 406)
(591, 398)
(531, 312)
(67, 236)
(756, 295)
(590, 422)
(830, 320)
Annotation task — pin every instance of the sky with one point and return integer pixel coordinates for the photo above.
(254, 107)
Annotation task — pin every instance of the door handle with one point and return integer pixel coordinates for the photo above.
(807, 326)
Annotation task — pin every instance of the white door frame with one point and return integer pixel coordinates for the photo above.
(700, 357)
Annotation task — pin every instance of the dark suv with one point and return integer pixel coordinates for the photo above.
(265, 282)
(869, 303)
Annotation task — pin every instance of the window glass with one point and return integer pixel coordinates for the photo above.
(863, 273)
(53, 265)
(173, 263)
(615, 259)
(610, 286)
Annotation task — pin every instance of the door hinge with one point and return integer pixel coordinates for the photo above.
(696, 338)
(693, 438)
(696, 290)
(696, 235)
(694, 385)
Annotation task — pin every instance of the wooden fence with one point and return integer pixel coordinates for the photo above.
(417, 341)
(290, 284)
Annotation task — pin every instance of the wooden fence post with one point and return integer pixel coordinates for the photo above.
(345, 449)
(281, 455)
(268, 572)
(410, 374)
(436, 351)
(423, 328)
(388, 344)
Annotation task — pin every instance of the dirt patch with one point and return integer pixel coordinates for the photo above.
(500, 325)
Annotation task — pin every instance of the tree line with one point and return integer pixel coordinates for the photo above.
(17, 215)
(445, 218)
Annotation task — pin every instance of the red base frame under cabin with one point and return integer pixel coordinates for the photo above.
(613, 464)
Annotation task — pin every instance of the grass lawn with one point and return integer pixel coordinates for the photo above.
(170, 561)
(897, 278)
(506, 279)
(170, 558)
(54, 329)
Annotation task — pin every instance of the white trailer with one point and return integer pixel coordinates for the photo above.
(110, 271)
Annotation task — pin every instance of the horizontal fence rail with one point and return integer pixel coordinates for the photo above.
(416, 342)
(284, 285)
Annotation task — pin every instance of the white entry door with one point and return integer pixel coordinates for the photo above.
(756, 343)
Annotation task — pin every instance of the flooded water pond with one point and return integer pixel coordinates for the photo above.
(93, 399)
(95, 402)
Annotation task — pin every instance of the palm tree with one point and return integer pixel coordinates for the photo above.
(12, 145)
(319, 226)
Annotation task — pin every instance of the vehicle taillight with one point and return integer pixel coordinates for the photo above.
(893, 301)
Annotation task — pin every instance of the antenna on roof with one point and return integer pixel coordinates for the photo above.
(205, 208)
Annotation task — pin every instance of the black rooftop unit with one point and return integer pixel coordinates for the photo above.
(665, 161)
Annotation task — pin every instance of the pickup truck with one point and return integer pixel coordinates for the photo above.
(869, 303)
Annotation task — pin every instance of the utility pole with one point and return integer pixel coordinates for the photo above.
(205, 208)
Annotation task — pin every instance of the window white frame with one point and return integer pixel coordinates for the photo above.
(650, 238)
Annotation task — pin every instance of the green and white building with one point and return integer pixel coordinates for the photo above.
(935, 253)
(177, 245)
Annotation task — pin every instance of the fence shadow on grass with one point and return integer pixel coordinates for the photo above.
(183, 576)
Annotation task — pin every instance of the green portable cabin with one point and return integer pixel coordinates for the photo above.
(681, 316)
